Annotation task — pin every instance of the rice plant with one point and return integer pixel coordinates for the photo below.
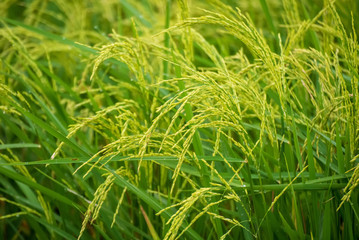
(179, 119)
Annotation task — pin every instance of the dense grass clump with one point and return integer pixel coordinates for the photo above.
(179, 119)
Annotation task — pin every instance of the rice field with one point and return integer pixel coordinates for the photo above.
(179, 119)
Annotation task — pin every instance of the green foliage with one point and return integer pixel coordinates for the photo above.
(179, 119)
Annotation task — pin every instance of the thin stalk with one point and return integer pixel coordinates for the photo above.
(269, 19)
(167, 38)
(340, 156)
(310, 156)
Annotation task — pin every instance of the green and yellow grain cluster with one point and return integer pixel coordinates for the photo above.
(144, 119)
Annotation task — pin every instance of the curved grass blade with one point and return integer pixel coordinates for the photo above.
(48, 128)
(18, 177)
(19, 145)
